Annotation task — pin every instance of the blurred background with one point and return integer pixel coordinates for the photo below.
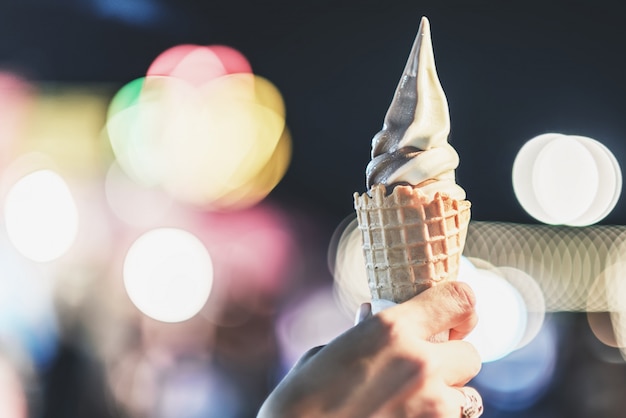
(176, 182)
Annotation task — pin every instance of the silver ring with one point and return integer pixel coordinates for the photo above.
(473, 407)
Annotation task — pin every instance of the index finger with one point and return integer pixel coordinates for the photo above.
(446, 306)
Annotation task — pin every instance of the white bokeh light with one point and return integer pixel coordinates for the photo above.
(609, 183)
(41, 216)
(501, 312)
(522, 177)
(566, 179)
(348, 267)
(534, 301)
(168, 274)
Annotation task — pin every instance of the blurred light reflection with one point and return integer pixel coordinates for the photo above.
(520, 379)
(16, 101)
(168, 274)
(564, 261)
(13, 401)
(312, 322)
(528, 290)
(203, 127)
(347, 264)
(28, 321)
(501, 309)
(566, 179)
(135, 205)
(41, 216)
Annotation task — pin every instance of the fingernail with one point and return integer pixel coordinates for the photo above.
(364, 311)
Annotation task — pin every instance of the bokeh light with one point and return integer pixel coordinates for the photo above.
(132, 203)
(507, 321)
(203, 127)
(41, 216)
(13, 401)
(313, 321)
(528, 290)
(601, 325)
(501, 309)
(534, 302)
(199, 64)
(608, 292)
(66, 125)
(16, 101)
(566, 179)
(168, 274)
(347, 264)
(520, 379)
(194, 391)
(564, 261)
(28, 321)
(254, 251)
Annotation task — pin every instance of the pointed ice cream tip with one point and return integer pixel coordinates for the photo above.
(423, 37)
(412, 146)
(418, 114)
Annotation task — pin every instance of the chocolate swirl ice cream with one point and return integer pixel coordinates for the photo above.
(413, 218)
(412, 148)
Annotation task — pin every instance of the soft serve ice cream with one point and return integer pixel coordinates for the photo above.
(413, 218)
(412, 148)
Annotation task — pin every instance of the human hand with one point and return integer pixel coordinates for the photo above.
(387, 367)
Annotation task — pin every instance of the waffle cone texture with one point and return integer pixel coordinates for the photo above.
(410, 243)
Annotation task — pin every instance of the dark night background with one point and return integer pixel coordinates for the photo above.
(510, 71)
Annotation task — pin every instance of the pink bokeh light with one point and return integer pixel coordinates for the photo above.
(198, 64)
(16, 98)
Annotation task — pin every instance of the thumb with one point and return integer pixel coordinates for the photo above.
(446, 306)
(306, 357)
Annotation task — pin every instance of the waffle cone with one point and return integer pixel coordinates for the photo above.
(410, 243)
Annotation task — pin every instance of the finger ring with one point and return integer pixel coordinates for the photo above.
(473, 407)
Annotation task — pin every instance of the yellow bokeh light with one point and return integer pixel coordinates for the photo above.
(222, 145)
(65, 124)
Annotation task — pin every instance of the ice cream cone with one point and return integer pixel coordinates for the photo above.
(410, 242)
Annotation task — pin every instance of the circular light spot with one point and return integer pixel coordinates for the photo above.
(41, 216)
(609, 186)
(126, 97)
(523, 173)
(566, 179)
(168, 274)
(534, 301)
(232, 60)
(601, 325)
(217, 141)
(193, 63)
(501, 310)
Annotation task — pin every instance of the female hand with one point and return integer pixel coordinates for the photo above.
(387, 367)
